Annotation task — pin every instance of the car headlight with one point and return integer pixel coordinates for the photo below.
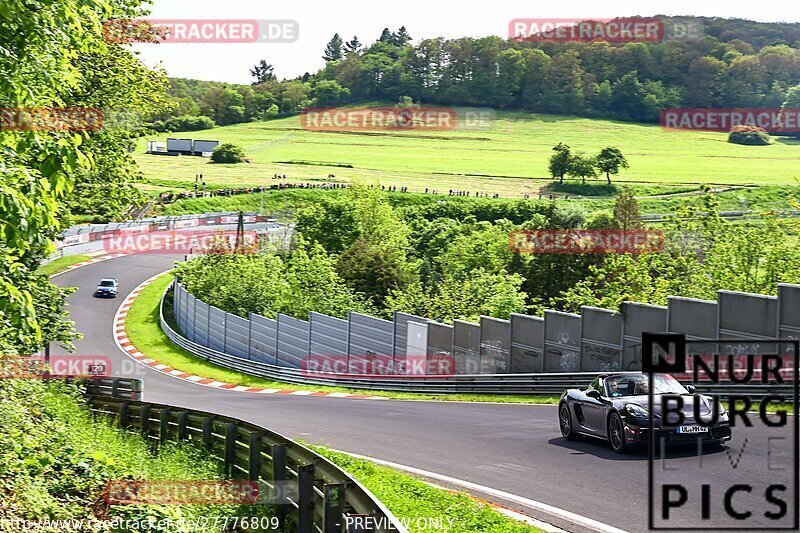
(637, 411)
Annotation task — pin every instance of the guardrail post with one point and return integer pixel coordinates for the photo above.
(123, 414)
(305, 498)
(332, 495)
(145, 414)
(183, 417)
(114, 387)
(208, 427)
(278, 452)
(254, 460)
(230, 448)
(225, 333)
(194, 322)
(249, 336)
(163, 433)
(136, 389)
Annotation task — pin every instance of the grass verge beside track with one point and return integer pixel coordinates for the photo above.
(420, 506)
(61, 264)
(144, 331)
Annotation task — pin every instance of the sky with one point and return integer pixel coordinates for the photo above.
(318, 20)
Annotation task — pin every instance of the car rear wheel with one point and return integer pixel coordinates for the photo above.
(616, 433)
(565, 423)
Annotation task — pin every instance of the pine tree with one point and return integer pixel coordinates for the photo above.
(402, 37)
(352, 46)
(333, 50)
(386, 36)
(262, 71)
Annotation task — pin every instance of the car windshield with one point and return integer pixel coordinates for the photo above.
(637, 384)
(107, 283)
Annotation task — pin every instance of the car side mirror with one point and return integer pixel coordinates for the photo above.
(594, 394)
(690, 388)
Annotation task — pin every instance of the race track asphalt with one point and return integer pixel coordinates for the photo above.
(513, 448)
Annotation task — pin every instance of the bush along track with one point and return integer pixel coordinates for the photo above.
(138, 331)
(56, 459)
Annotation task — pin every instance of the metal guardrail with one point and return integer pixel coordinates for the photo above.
(537, 383)
(309, 490)
(123, 388)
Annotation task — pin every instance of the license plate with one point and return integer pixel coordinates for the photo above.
(692, 429)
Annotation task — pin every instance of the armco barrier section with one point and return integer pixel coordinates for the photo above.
(562, 342)
(306, 489)
(293, 341)
(788, 317)
(495, 345)
(123, 388)
(518, 383)
(636, 319)
(263, 339)
(601, 340)
(527, 337)
(597, 340)
(467, 347)
(697, 319)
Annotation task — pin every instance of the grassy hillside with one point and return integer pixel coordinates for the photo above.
(510, 157)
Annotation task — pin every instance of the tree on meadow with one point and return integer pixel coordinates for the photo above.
(610, 160)
(582, 166)
(559, 161)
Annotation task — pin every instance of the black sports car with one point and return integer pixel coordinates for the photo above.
(614, 407)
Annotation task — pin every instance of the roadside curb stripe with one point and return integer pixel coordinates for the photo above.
(124, 343)
(91, 261)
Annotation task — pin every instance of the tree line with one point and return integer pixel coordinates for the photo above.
(579, 165)
(736, 63)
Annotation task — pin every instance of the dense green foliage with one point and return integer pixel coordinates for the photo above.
(702, 254)
(448, 260)
(729, 63)
(749, 135)
(267, 283)
(44, 173)
(183, 123)
(228, 153)
(55, 460)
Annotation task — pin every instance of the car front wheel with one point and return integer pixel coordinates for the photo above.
(616, 433)
(565, 423)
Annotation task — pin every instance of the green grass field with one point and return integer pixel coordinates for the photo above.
(510, 157)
